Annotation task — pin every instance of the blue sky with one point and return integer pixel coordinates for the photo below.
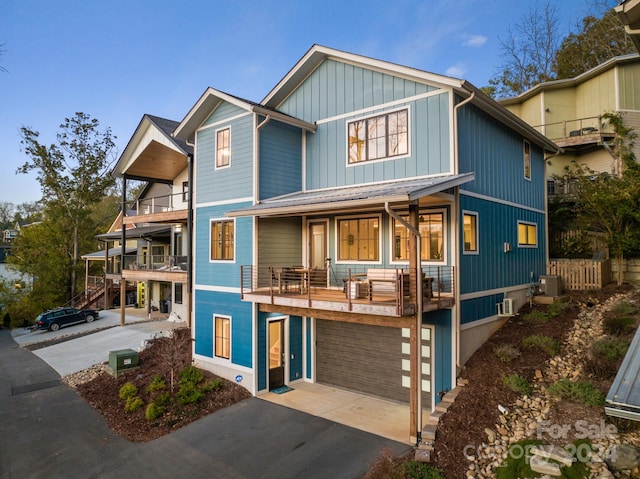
(120, 59)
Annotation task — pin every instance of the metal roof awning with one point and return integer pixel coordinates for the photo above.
(352, 196)
(623, 399)
(137, 232)
(99, 255)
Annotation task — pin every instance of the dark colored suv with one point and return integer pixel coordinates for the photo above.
(55, 319)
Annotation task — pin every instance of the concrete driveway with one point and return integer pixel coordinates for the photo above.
(48, 431)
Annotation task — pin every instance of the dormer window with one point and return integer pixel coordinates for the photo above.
(379, 137)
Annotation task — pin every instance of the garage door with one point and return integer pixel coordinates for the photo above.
(370, 359)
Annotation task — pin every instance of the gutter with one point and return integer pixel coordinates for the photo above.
(418, 366)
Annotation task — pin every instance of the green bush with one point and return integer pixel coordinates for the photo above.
(536, 317)
(189, 393)
(420, 470)
(518, 384)
(557, 308)
(128, 390)
(581, 391)
(624, 309)
(157, 384)
(163, 399)
(507, 352)
(212, 385)
(605, 356)
(133, 404)
(191, 375)
(545, 343)
(619, 325)
(153, 412)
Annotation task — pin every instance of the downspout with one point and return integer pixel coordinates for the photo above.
(190, 242)
(456, 233)
(416, 233)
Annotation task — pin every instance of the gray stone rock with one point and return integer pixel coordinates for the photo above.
(622, 457)
(541, 465)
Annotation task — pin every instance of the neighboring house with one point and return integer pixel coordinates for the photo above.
(629, 13)
(159, 222)
(570, 111)
(307, 209)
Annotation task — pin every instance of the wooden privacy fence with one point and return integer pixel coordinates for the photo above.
(581, 274)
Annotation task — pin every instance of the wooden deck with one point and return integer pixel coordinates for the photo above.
(337, 300)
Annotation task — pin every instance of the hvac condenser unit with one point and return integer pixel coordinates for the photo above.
(551, 285)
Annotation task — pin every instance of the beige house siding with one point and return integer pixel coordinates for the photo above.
(562, 107)
(632, 120)
(629, 81)
(596, 96)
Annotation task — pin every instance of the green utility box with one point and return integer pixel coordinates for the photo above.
(122, 360)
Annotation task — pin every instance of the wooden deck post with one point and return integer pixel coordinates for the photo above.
(414, 377)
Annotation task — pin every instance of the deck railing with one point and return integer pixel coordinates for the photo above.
(160, 204)
(350, 284)
(167, 263)
(574, 127)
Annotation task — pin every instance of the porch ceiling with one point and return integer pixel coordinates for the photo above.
(158, 162)
(353, 196)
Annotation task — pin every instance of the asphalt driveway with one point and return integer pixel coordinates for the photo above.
(47, 431)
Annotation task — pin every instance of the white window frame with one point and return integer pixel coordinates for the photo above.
(526, 245)
(337, 238)
(387, 158)
(526, 159)
(445, 234)
(477, 232)
(225, 261)
(228, 165)
(229, 318)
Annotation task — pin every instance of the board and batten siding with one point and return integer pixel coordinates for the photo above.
(596, 96)
(492, 268)
(335, 88)
(221, 273)
(496, 155)
(429, 147)
(210, 303)
(280, 159)
(235, 181)
(279, 242)
(629, 79)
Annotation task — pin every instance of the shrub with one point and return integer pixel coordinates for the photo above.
(507, 352)
(518, 384)
(189, 393)
(581, 391)
(624, 308)
(557, 308)
(536, 317)
(157, 384)
(191, 375)
(153, 412)
(605, 355)
(419, 470)
(213, 385)
(133, 404)
(163, 399)
(619, 325)
(545, 343)
(387, 466)
(128, 390)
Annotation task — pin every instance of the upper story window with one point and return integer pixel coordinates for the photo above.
(432, 233)
(527, 234)
(526, 149)
(222, 240)
(223, 148)
(359, 239)
(378, 137)
(470, 232)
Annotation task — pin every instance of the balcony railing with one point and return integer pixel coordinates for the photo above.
(165, 263)
(574, 128)
(358, 289)
(160, 204)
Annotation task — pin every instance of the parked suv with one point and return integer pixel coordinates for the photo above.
(55, 319)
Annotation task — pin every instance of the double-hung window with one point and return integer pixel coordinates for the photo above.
(222, 340)
(223, 148)
(222, 240)
(432, 233)
(359, 239)
(527, 234)
(378, 137)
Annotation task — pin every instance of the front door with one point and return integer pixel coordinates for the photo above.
(276, 354)
(318, 260)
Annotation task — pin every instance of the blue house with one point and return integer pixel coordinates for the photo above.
(367, 226)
